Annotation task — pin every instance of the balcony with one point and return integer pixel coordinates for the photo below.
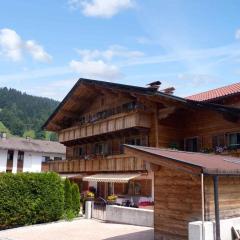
(96, 164)
(115, 123)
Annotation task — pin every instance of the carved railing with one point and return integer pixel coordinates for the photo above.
(96, 164)
(115, 123)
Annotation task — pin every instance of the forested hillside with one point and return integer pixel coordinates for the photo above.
(23, 114)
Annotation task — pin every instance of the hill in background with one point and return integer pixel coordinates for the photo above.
(23, 115)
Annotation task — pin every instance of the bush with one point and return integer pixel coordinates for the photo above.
(67, 195)
(29, 198)
(69, 215)
(75, 199)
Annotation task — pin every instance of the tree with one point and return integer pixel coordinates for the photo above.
(4, 129)
(29, 133)
(75, 199)
(67, 195)
(40, 135)
(21, 112)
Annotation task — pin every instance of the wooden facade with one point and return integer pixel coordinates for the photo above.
(97, 118)
(177, 202)
(182, 190)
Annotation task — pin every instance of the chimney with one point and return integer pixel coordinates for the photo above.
(154, 85)
(169, 90)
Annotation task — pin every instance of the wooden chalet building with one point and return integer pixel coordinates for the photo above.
(96, 118)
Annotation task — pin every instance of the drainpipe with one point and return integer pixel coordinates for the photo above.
(203, 205)
(216, 204)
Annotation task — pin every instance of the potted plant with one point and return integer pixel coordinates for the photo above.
(90, 196)
(111, 199)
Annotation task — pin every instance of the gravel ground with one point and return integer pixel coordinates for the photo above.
(81, 229)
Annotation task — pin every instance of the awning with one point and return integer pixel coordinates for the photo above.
(70, 175)
(111, 177)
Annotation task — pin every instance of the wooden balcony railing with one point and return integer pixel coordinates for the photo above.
(112, 124)
(97, 164)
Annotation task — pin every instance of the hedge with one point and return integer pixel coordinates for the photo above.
(67, 195)
(29, 198)
(75, 199)
(71, 200)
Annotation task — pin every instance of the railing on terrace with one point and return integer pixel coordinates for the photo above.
(109, 163)
(112, 124)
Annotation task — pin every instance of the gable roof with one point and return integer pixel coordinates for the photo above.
(32, 145)
(144, 91)
(217, 93)
(209, 163)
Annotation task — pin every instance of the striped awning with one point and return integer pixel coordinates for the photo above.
(111, 177)
(62, 175)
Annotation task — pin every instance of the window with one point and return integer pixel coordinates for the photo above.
(218, 141)
(57, 158)
(101, 148)
(141, 187)
(79, 151)
(191, 144)
(137, 140)
(45, 158)
(234, 139)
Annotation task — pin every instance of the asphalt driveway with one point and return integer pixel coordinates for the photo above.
(81, 229)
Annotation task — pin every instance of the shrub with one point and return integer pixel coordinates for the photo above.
(69, 215)
(67, 195)
(75, 199)
(29, 198)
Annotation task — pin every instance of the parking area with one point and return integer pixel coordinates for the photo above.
(80, 229)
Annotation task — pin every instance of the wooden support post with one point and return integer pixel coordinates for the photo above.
(156, 127)
(203, 205)
(216, 204)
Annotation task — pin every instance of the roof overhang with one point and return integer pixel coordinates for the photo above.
(194, 163)
(112, 177)
(87, 86)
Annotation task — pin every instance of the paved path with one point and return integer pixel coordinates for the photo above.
(81, 229)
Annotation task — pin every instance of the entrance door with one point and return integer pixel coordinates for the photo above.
(191, 144)
(20, 160)
(10, 155)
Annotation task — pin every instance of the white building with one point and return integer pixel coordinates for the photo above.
(26, 155)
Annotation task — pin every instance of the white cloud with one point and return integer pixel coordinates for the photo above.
(98, 64)
(100, 8)
(145, 40)
(217, 55)
(197, 79)
(95, 69)
(37, 51)
(35, 74)
(13, 47)
(55, 89)
(108, 54)
(10, 44)
(237, 34)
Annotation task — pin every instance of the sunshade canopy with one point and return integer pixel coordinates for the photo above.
(111, 177)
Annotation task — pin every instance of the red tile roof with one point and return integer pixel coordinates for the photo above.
(216, 93)
(210, 163)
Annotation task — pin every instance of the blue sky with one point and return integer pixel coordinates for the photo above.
(45, 46)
